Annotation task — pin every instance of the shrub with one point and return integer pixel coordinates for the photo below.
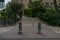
(33, 12)
(12, 9)
(51, 17)
(29, 12)
(1, 15)
(36, 8)
(1, 11)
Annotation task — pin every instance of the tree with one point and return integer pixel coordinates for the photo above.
(11, 10)
(37, 6)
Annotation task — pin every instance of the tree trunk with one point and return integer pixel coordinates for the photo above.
(55, 5)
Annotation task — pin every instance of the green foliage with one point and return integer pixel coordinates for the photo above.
(51, 17)
(29, 12)
(35, 8)
(1, 11)
(1, 15)
(11, 11)
(12, 8)
(50, 9)
(35, 4)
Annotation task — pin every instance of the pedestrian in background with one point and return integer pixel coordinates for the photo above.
(20, 14)
(20, 23)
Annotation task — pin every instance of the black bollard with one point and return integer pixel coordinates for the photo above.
(20, 28)
(39, 28)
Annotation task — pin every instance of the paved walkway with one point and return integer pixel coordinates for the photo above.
(30, 28)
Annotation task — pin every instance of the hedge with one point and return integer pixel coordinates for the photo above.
(50, 17)
(29, 12)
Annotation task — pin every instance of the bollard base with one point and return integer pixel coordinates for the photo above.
(20, 33)
(39, 33)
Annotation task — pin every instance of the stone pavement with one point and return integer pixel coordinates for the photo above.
(30, 29)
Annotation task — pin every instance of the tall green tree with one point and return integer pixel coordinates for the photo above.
(12, 9)
(37, 6)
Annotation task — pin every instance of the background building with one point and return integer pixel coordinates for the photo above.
(50, 2)
(3, 3)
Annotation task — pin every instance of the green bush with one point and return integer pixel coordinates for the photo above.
(1, 11)
(29, 12)
(12, 9)
(33, 12)
(1, 15)
(36, 7)
(50, 17)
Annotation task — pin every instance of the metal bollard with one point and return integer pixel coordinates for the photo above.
(39, 28)
(20, 28)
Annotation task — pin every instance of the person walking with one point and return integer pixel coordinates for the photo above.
(20, 23)
(20, 14)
